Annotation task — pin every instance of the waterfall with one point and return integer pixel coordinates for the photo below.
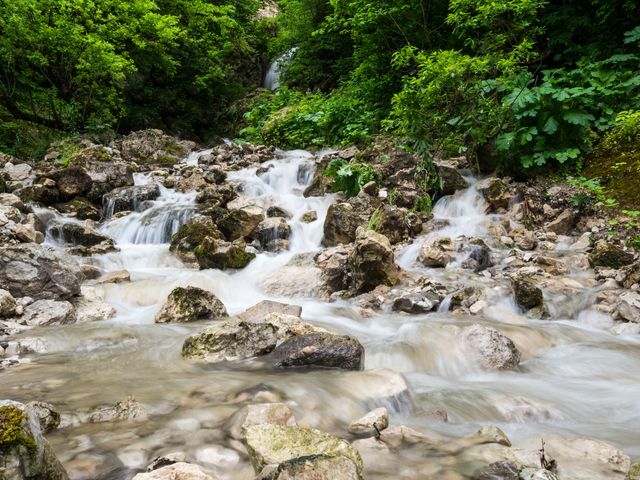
(272, 79)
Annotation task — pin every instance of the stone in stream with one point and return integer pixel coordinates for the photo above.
(371, 262)
(71, 182)
(526, 293)
(129, 198)
(493, 350)
(7, 304)
(628, 306)
(319, 350)
(152, 147)
(370, 424)
(309, 217)
(215, 253)
(48, 312)
(270, 231)
(190, 304)
(333, 263)
(79, 208)
(257, 414)
(495, 192)
(343, 219)
(177, 471)
(451, 180)
(39, 271)
(128, 410)
(47, 415)
(437, 252)
(392, 223)
(607, 254)
(118, 276)
(24, 453)
(190, 236)
(79, 234)
(260, 310)
(281, 452)
(241, 222)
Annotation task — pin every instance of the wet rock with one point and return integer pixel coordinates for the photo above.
(79, 208)
(392, 223)
(195, 182)
(493, 350)
(241, 222)
(72, 182)
(190, 304)
(151, 147)
(503, 470)
(259, 311)
(333, 262)
(28, 234)
(118, 276)
(526, 293)
(214, 253)
(39, 271)
(275, 212)
(630, 276)
(24, 453)
(128, 410)
(166, 459)
(269, 231)
(177, 471)
(309, 217)
(231, 340)
(191, 235)
(628, 306)
(299, 278)
(258, 414)
(314, 467)
(7, 304)
(524, 239)
(608, 254)
(11, 200)
(450, 177)
(413, 303)
(78, 234)
(343, 219)
(479, 259)
(537, 474)
(129, 198)
(273, 445)
(47, 415)
(92, 310)
(48, 313)
(319, 350)
(495, 192)
(437, 252)
(372, 263)
(370, 424)
(403, 436)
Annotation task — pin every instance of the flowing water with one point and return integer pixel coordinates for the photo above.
(272, 79)
(575, 378)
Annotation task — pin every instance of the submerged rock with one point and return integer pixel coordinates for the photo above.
(177, 471)
(319, 350)
(371, 424)
(271, 231)
(371, 263)
(258, 414)
(492, 349)
(190, 304)
(78, 234)
(39, 271)
(24, 453)
(128, 410)
(313, 467)
(285, 448)
(260, 310)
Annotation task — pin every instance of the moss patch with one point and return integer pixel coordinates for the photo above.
(12, 433)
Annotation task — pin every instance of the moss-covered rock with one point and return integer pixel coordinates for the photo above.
(152, 147)
(191, 235)
(190, 304)
(24, 453)
(216, 253)
(273, 445)
(526, 293)
(608, 254)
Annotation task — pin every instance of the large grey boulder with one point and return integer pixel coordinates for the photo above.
(343, 219)
(492, 350)
(371, 263)
(280, 448)
(152, 147)
(48, 313)
(190, 304)
(7, 304)
(24, 453)
(74, 233)
(628, 306)
(451, 180)
(39, 271)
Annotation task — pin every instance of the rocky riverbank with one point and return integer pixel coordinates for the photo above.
(270, 328)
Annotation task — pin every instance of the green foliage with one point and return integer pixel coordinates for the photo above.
(423, 203)
(374, 220)
(350, 177)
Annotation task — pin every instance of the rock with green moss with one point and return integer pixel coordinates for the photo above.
(190, 304)
(241, 222)
(634, 472)
(24, 453)
(495, 192)
(608, 254)
(274, 449)
(79, 208)
(217, 253)
(152, 147)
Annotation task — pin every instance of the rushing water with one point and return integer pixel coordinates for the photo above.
(575, 377)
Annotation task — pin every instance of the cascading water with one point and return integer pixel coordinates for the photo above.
(573, 372)
(274, 74)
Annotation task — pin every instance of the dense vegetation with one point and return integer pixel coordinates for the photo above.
(528, 83)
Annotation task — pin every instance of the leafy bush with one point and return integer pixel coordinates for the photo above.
(350, 177)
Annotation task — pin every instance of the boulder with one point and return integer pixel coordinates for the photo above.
(502, 470)
(314, 467)
(371, 262)
(117, 276)
(258, 414)
(608, 254)
(129, 198)
(631, 275)
(48, 313)
(11, 200)
(128, 410)
(241, 222)
(215, 253)
(79, 208)
(24, 453)
(190, 304)
(275, 212)
(413, 303)
(79, 234)
(106, 169)
(451, 180)
(151, 147)
(48, 417)
(495, 192)
(72, 182)
(177, 471)
(39, 271)
(437, 252)
(273, 445)
(191, 235)
(7, 304)
(526, 293)
(319, 350)
(370, 424)
(343, 219)
(309, 217)
(270, 230)
(628, 306)
(563, 223)
(333, 262)
(260, 310)
(524, 239)
(28, 234)
(392, 223)
(493, 350)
